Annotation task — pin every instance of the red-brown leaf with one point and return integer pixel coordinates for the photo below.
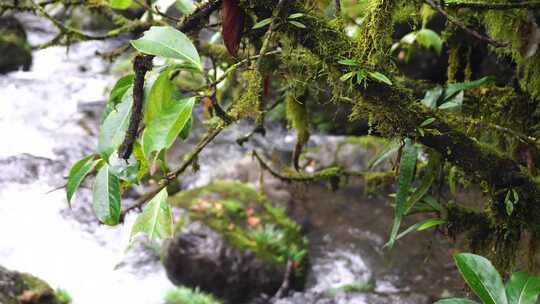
(232, 18)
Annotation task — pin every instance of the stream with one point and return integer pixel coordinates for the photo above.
(48, 120)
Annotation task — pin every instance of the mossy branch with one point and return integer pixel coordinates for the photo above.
(397, 113)
(493, 6)
(463, 27)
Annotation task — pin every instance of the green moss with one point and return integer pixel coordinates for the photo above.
(377, 181)
(376, 34)
(514, 28)
(454, 64)
(247, 220)
(184, 295)
(248, 104)
(297, 115)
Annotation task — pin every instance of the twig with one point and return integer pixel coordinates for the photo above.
(174, 175)
(493, 6)
(302, 177)
(141, 65)
(194, 21)
(233, 68)
(338, 7)
(462, 26)
(79, 35)
(284, 288)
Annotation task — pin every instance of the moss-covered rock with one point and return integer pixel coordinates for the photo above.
(14, 47)
(23, 288)
(240, 246)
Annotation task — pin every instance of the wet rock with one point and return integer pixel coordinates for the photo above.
(26, 168)
(202, 258)
(353, 298)
(14, 47)
(236, 244)
(23, 288)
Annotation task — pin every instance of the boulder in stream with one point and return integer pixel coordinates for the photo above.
(234, 243)
(14, 47)
(23, 288)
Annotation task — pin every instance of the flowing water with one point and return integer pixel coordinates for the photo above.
(48, 121)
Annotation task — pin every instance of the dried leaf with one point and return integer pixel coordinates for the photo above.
(232, 25)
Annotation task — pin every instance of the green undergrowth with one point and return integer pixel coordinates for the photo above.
(247, 220)
(184, 295)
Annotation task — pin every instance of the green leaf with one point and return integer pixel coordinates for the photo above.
(120, 88)
(186, 7)
(410, 38)
(77, 173)
(120, 4)
(454, 104)
(187, 129)
(262, 23)
(453, 89)
(160, 96)
(421, 191)
(164, 129)
(430, 223)
(388, 151)
(522, 288)
(432, 97)
(143, 162)
(430, 40)
(427, 122)
(114, 127)
(481, 277)
(167, 42)
(297, 24)
(296, 16)
(455, 301)
(380, 77)
(420, 226)
(125, 170)
(347, 76)
(349, 62)
(509, 204)
(155, 219)
(360, 76)
(405, 179)
(106, 197)
(434, 204)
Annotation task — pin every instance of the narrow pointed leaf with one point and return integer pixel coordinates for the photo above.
(165, 128)
(522, 288)
(380, 77)
(167, 42)
(262, 23)
(481, 277)
(106, 197)
(406, 175)
(77, 173)
(420, 226)
(297, 24)
(156, 218)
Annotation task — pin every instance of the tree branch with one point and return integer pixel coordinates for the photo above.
(462, 26)
(175, 174)
(141, 65)
(493, 6)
